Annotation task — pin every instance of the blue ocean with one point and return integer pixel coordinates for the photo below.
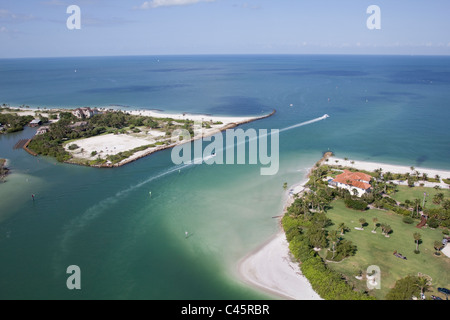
(392, 109)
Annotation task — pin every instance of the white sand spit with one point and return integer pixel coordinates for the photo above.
(272, 269)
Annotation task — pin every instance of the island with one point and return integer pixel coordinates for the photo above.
(112, 137)
(358, 230)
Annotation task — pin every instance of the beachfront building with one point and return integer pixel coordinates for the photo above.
(78, 124)
(35, 123)
(43, 130)
(85, 113)
(353, 181)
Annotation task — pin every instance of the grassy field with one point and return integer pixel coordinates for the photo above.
(405, 192)
(376, 249)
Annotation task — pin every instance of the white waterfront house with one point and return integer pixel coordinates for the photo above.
(353, 181)
(87, 113)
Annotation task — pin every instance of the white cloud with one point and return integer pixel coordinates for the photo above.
(169, 3)
(8, 16)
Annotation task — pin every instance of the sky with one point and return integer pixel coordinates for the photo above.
(38, 28)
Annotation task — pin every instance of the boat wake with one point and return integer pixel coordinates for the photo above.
(79, 223)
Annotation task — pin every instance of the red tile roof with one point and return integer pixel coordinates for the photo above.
(356, 179)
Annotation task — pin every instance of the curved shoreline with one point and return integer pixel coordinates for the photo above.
(265, 267)
(270, 267)
(149, 152)
(228, 122)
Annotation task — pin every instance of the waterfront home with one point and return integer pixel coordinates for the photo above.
(353, 181)
(35, 123)
(85, 113)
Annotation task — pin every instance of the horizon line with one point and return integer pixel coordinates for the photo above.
(230, 54)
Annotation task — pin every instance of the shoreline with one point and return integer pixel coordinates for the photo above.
(228, 123)
(270, 267)
(267, 267)
(392, 168)
(219, 124)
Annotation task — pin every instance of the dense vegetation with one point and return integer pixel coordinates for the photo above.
(408, 287)
(317, 240)
(327, 283)
(70, 128)
(13, 122)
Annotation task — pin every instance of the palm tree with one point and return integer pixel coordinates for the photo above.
(362, 221)
(417, 237)
(387, 230)
(285, 186)
(412, 168)
(343, 228)
(334, 238)
(438, 198)
(437, 177)
(383, 226)
(423, 285)
(446, 204)
(387, 176)
(375, 220)
(437, 247)
(424, 176)
(416, 203)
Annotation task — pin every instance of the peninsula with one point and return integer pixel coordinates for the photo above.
(109, 137)
(331, 234)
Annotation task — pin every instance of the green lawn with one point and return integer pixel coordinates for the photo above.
(375, 249)
(405, 192)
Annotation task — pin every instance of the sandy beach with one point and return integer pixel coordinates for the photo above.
(270, 266)
(112, 144)
(187, 116)
(272, 269)
(372, 166)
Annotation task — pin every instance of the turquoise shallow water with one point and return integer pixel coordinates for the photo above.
(132, 246)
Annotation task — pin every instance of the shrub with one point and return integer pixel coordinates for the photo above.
(402, 211)
(93, 153)
(404, 289)
(73, 146)
(355, 204)
(344, 249)
(408, 220)
(433, 223)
